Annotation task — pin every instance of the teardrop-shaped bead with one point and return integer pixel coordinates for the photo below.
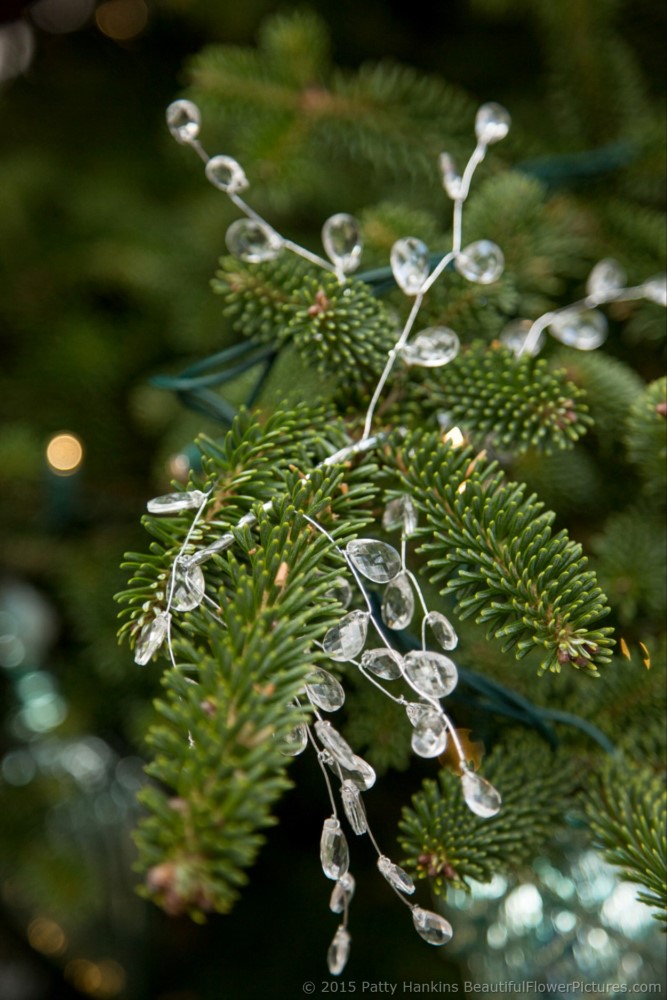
(431, 926)
(342, 893)
(480, 795)
(409, 264)
(395, 875)
(324, 690)
(214, 549)
(353, 806)
(340, 591)
(398, 602)
(451, 179)
(339, 951)
(383, 662)
(341, 239)
(400, 514)
(252, 241)
(514, 337)
(226, 174)
(375, 560)
(584, 329)
(294, 742)
(339, 748)
(606, 278)
(492, 123)
(442, 629)
(360, 772)
(151, 638)
(183, 120)
(344, 640)
(432, 348)
(432, 674)
(429, 737)
(482, 262)
(334, 853)
(175, 503)
(416, 710)
(187, 587)
(655, 289)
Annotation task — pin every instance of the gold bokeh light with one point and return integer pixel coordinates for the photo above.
(64, 453)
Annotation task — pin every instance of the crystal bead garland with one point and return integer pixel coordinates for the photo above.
(353, 806)
(375, 560)
(339, 951)
(183, 121)
(432, 348)
(324, 690)
(341, 239)
(655, 289)
(492, 123)
(398, 603)
(442, 629)
(342, 893)
(429, 738)
(605, 280)
(252, 241)
(226, 174)
(339, 748)
(395, 875)
(431, 674)
(482, 262)
(431, 926)
(385, 663)
(151, 638)
(480, 795)
(400, 514)
(345, 640)
(295, 742)
(584, 329)
(409, 264)
(187, 587)
(451, 179)
(334, 853)
(176, 503)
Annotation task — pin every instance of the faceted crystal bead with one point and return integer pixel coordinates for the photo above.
(183, 119)
(353, 806)
(514, 336)
(431, 926)
(451, 179)
(215, 548)
(432, 348)
(395, 875)
(360, 772)
(398, 602)
(151, 638)
(416, 710)
(334, 853)
(383, 662)
(482, 262)
(187, 587)
(294, 742)
(341, 238)
(606, 278)
(252, 241)
(432, 674)
(492, 123)
(400, 514)
(175, 503)
(345, 640)
(480, 795)
(442, 629)
(409, 264)
(341, 591)
(339, 951)
(584, 329)
(429, 737)
(226, 174)
(339, 748)
(375, 560)
(324, 690)
(342, 893)
(655, 289)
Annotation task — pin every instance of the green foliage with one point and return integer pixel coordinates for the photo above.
(631, 563)
(646, 438)
(443, 841)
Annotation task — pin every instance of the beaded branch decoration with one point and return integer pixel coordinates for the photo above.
(362, 637)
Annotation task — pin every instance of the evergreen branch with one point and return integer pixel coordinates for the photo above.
(646, 437)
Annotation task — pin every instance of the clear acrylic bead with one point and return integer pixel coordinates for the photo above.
(442, 629)
(492, 123)
(416, 710)
(360, 772)
(334, 853)
(432, 348)
(375, 560)
(584, 329)
(395, 875)
(187, 587)
(429, 738)
(431, 674)
(341, 239)
(324, 690)
(383, 662)
(655, 289)
(605, 280)
(215, 548)
(409, 264)
(226, 174)
(341, 591)
(175, 503)
(480, 795)
(339, 748)
(151, 638)
(339, 951)
(400, 514)
(353, 806)
(398, 602)
(183, 120)
(342, 893)
(514, 337)
(344, 640)
(294, 742)
(252, 241)
(431, 926)
(482, 262)
(451, 179)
